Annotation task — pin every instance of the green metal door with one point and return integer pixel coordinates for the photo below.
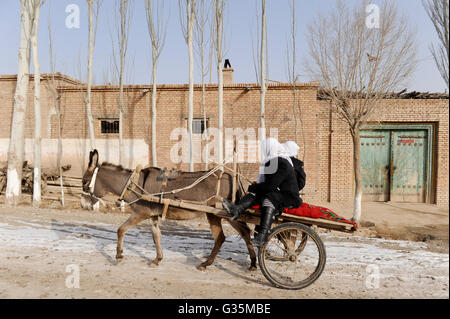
(409, 165)
(375, 164)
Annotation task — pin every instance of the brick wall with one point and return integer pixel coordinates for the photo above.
(337, 156)
(325, 142)
(241, 110)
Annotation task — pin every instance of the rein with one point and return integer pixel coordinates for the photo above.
(133, 183)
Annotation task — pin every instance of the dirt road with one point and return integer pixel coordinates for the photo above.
(43, 250)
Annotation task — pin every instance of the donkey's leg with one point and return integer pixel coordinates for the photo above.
(219, 237)
(244, 231)
(156, 232)
(130, 222)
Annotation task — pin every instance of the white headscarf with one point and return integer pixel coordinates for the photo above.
(292, 148)
(271, 149)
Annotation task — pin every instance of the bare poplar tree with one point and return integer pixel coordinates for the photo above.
(55, 97)
(36, 7)
(357, 64)
(292, 75)
(125, 8)
(212, 47)
(157, 29)
(259, 59)
(263, 68)
(17, 141)
(437, 11)
(255, 46)
(93, 22)
(187, 25)
(218, 32)
(202, 41)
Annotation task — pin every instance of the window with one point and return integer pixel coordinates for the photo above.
(198, 126)
(110, 126)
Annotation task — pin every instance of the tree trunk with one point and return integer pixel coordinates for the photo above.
(220, 108)
(121, 126)
(358, 176)
(191, 81)
(157, 32)
(154, 155)
(59, 158)
(205, 133)
(122, 68)
(125, 9)
(263, 70)
(16, 142)
(57, 106)
(89, 80)
(293, 74)
(37, 110)
(219, 30)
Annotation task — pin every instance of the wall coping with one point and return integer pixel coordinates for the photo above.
(45, 76)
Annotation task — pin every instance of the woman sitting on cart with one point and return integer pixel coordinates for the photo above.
(275, 190)
(292, 149)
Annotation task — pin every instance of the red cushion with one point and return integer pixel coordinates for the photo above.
(312, 211)
(304, 210)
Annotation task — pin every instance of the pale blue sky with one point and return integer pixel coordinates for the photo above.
(71, 44)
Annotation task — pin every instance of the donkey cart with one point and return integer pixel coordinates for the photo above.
(293, 256)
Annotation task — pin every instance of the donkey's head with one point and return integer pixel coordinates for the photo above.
(99, 180)
(88, 175)
(92, 188)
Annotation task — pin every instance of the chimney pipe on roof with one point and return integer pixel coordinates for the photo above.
(227, 72)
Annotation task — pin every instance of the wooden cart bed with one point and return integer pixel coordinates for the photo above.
(250, 216)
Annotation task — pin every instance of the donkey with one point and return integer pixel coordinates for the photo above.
(108, 178)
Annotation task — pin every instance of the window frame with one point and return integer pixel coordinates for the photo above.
(203, 125)
(111, 121)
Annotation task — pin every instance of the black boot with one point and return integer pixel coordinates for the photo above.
(267, 217)
(237, 209)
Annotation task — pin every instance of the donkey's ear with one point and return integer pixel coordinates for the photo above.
(93, 159)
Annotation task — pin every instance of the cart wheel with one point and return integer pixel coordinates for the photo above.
(293, 256)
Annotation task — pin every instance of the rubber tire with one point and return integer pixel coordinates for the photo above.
(314, 276)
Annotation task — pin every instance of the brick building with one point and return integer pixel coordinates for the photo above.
(405, 130)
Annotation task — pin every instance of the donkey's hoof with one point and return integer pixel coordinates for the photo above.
(119, 258)
(155, 263)
(203, 266)
(253, 268)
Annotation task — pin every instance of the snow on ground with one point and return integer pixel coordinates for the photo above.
(177, 242)
(355, 258)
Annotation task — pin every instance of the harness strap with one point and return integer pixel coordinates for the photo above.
(166, 202)
(219, 178)
(93, 179)
(134, 180)
(194, 183)
(131, 183)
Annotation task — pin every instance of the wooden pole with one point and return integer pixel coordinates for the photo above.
(251, 216)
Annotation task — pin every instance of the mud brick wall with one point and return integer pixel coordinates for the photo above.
(336, 148)
(325, 141)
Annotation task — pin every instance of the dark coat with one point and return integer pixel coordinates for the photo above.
(300, 174)
(280, 187)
